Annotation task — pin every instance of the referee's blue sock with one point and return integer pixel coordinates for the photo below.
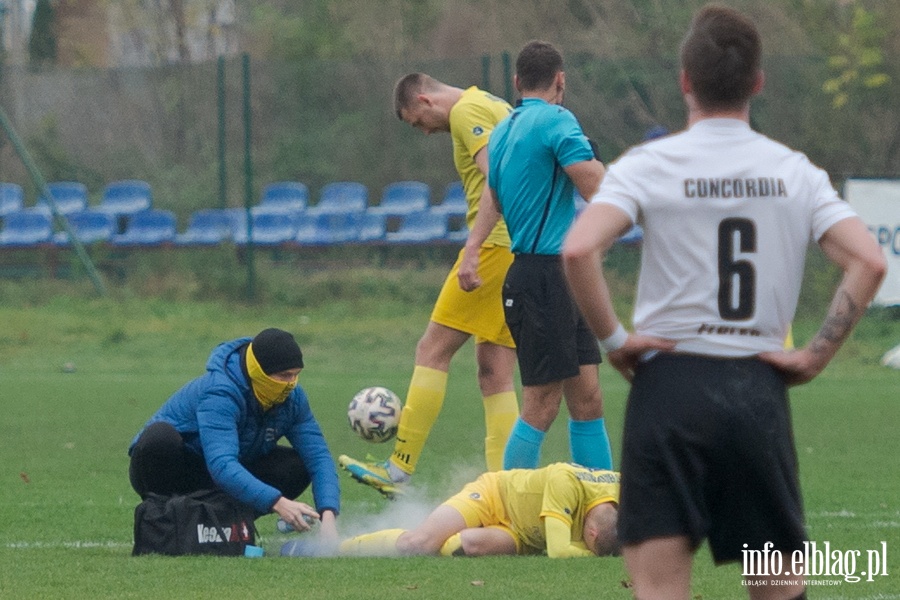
(589, 444)
(523, 449)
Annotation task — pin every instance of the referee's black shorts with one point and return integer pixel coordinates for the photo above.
(552, 339)
(708, 452)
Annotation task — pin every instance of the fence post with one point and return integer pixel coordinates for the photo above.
(486, 72)
(220, 103)
(507, 77)
(248, 176)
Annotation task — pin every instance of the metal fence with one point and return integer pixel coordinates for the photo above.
(324, 121)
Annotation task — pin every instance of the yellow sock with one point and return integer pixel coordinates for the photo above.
(500, 414)
(424, 400)
(453, 546)
(378, 543)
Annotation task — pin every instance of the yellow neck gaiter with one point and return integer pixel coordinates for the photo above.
(269, 392)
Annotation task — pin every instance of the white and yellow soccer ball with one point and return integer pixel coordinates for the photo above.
(374, 414)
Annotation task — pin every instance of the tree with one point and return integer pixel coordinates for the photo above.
(860, 82)
(858, 63)
(42, 43)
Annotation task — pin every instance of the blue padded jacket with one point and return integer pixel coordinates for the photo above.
(219, 418)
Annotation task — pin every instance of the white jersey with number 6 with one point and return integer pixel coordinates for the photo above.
(727, 215)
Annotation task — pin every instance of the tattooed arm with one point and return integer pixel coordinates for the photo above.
(850, 246)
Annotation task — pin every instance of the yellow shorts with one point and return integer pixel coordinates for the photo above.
(480, 505)
(480, 312)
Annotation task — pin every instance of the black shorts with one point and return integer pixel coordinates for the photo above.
(552, 338)
(708, 452)
(161, 463)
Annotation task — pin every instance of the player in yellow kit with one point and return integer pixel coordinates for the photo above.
(469, 115)
(563, 509)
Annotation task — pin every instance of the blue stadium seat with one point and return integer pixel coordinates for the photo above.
(206, 227)
(341, 197)
(238, 219)
(312, 230)
(372, 228)
(454, 201)
(12, 199)
(403, 198)
(324, 229)
(633, 235)
(148, 228)
(69, 197)
(126, 197)
(89, 227)
(269, 229)
(26, 228)
(423, 226)
(285, 196)
(458, 235)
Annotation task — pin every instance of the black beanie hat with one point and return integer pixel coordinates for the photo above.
(276, 350)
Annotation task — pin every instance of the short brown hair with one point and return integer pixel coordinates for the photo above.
(604, 518)
(537, 65)
(408, 86)
(720, 55)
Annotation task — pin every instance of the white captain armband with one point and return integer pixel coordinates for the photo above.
(615, 341)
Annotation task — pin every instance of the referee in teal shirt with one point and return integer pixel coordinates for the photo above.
(538, 157)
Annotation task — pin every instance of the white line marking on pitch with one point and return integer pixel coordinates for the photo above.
(61, 544)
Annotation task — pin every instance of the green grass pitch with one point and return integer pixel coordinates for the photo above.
(66, 506)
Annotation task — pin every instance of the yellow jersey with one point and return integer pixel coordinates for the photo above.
(562, 491)
(472, 119)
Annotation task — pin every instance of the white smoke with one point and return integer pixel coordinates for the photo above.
(406, 511)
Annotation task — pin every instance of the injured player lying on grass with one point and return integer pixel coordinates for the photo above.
(563, 509)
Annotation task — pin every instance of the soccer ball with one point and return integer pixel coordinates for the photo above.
(891, 358)
(374, 414)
